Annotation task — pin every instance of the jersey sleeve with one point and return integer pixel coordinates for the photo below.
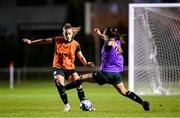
(53, 40)
(78, 49)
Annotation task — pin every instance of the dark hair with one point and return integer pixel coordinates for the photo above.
(110, 32)
(120, 37)
(114, 33)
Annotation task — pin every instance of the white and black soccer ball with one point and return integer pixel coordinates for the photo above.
(86, 105)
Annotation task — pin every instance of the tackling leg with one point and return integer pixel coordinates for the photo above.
(121, 89)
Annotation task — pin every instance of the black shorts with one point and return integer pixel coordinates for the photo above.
(107, 77)
(62, 72)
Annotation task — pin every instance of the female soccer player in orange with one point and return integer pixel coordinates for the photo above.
(66, 48)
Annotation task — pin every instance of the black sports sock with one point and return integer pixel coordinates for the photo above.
(61, 91)
(64, 98)
(73, 84)
(81, 94)
(134, 97)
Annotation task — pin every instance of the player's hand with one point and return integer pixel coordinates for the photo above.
(90, 64)
(27, 41)
(119, 50)
(97, 31)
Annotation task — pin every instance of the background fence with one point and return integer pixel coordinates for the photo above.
(21, 75)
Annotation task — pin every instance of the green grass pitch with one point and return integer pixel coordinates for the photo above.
(40, 99)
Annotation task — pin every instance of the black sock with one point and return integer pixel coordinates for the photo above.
(81, 94)
(134, 97)
(73, 84)
(61, 91)
(64, 98)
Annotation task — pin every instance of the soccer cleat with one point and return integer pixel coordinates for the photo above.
(146, 105)
(67, 108)
(93, 109)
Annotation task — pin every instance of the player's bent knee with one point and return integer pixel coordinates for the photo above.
(60, 87)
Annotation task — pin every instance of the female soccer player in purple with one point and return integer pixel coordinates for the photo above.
(111, 67)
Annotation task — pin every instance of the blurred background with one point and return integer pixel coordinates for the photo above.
(35, 19)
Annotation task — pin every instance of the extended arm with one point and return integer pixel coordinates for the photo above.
(97, 31)
(38, 41)
(83, 60)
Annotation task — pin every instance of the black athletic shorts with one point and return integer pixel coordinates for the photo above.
(107, 77)
(62, 72)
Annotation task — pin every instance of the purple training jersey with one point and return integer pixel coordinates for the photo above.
(111, 61)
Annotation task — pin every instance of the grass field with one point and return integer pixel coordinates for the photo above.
(40, 99)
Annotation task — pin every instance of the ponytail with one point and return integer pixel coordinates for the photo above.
(74, 29)
(120, 37)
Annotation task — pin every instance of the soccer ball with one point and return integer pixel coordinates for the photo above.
(86, 105)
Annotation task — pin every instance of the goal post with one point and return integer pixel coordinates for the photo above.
(154, 49)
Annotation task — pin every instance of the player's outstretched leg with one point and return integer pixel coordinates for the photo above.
(122, 90)
(63, 95)
(137, 99)
(83, 78)
(73, 84)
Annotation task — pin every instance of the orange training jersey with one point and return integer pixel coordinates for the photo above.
(64, 54)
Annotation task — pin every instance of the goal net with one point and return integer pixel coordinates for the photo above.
(154, 49)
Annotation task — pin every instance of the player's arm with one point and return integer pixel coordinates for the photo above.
(82, 58)
(38, 41)
(114, 44)
(98, 32)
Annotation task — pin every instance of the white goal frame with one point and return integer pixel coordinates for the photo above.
(131, 36)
